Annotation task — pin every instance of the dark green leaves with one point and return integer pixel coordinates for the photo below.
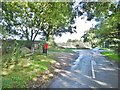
(35, 15)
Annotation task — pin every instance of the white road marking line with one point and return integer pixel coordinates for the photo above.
(93, 71)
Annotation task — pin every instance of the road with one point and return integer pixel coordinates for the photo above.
(89, 70)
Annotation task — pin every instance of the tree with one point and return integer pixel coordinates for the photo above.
(108, 14)
(57, 20)
(69, 40)
(29, 19)
(91, 37)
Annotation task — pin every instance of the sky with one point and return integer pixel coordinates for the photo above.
(81, 26)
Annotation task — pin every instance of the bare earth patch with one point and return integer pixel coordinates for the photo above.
(63, 59)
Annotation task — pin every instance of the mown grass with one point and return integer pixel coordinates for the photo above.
(111, 55)
(64, 49)
(18, 76)
(103, 48)
(61, 50)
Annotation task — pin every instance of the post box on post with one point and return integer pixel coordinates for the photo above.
(45, 48)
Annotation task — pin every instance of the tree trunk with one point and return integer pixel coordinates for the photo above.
(47, 37)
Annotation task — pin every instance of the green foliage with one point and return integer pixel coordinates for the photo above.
(26, 70)
(91, 37)
(112, 55)
(30, 18)
(61, 50)
(13, 55)
(15, 80)
(108, 13)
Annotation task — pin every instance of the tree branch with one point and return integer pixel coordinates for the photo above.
(35, 35)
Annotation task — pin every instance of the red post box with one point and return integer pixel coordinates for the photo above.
(45, 47)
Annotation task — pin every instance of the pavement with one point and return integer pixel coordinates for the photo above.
(89, 70)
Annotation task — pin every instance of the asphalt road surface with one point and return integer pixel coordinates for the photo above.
(89, 70)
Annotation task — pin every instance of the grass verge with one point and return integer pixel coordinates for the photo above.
(61, 50)
(18, 76)
(111, 55)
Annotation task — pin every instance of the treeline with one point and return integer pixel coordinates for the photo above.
(106, 32)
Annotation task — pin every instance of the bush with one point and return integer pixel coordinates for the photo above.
(25, 50)
(13, 54)
(77, 46)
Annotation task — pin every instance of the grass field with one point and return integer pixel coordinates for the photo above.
(111, 55)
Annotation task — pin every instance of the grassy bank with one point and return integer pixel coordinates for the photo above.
(111, 55)
(61, 50)
(19, 75)
(64, 49)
